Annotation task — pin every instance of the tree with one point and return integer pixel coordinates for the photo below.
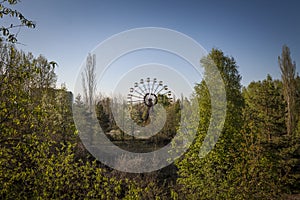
(288, 70)
(45, 76)
(103, 112)
(266, 106)
(264, 151)
(89, 80)
(5, 29)
(38, 154)
(298, 103)
(214, 177)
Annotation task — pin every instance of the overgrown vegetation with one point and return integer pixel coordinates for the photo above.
(42, 157)
(255, 157)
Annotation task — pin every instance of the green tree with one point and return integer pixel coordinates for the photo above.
(288, 70)
(38, 147)
(6, 32)
(298, 103)
(265, 104)
(213, 177)
(103, 113)
(263, 133)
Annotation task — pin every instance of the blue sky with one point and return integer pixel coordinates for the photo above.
(253, 32)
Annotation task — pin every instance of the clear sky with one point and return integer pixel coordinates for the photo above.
(253, 32)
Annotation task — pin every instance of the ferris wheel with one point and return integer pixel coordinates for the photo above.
(147, 93)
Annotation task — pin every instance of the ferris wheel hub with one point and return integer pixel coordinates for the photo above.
(150, 99)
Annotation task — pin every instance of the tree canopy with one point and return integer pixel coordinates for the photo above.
(257, 156)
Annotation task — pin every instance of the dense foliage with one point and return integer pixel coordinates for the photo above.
(256, 157)
(41, 156)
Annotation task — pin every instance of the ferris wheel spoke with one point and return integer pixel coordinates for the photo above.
(136, 101)
(152, 87)
(142, 90)
(142, 94)
(156, 89)
(139, 97)
(145, 88)
(164, 88)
